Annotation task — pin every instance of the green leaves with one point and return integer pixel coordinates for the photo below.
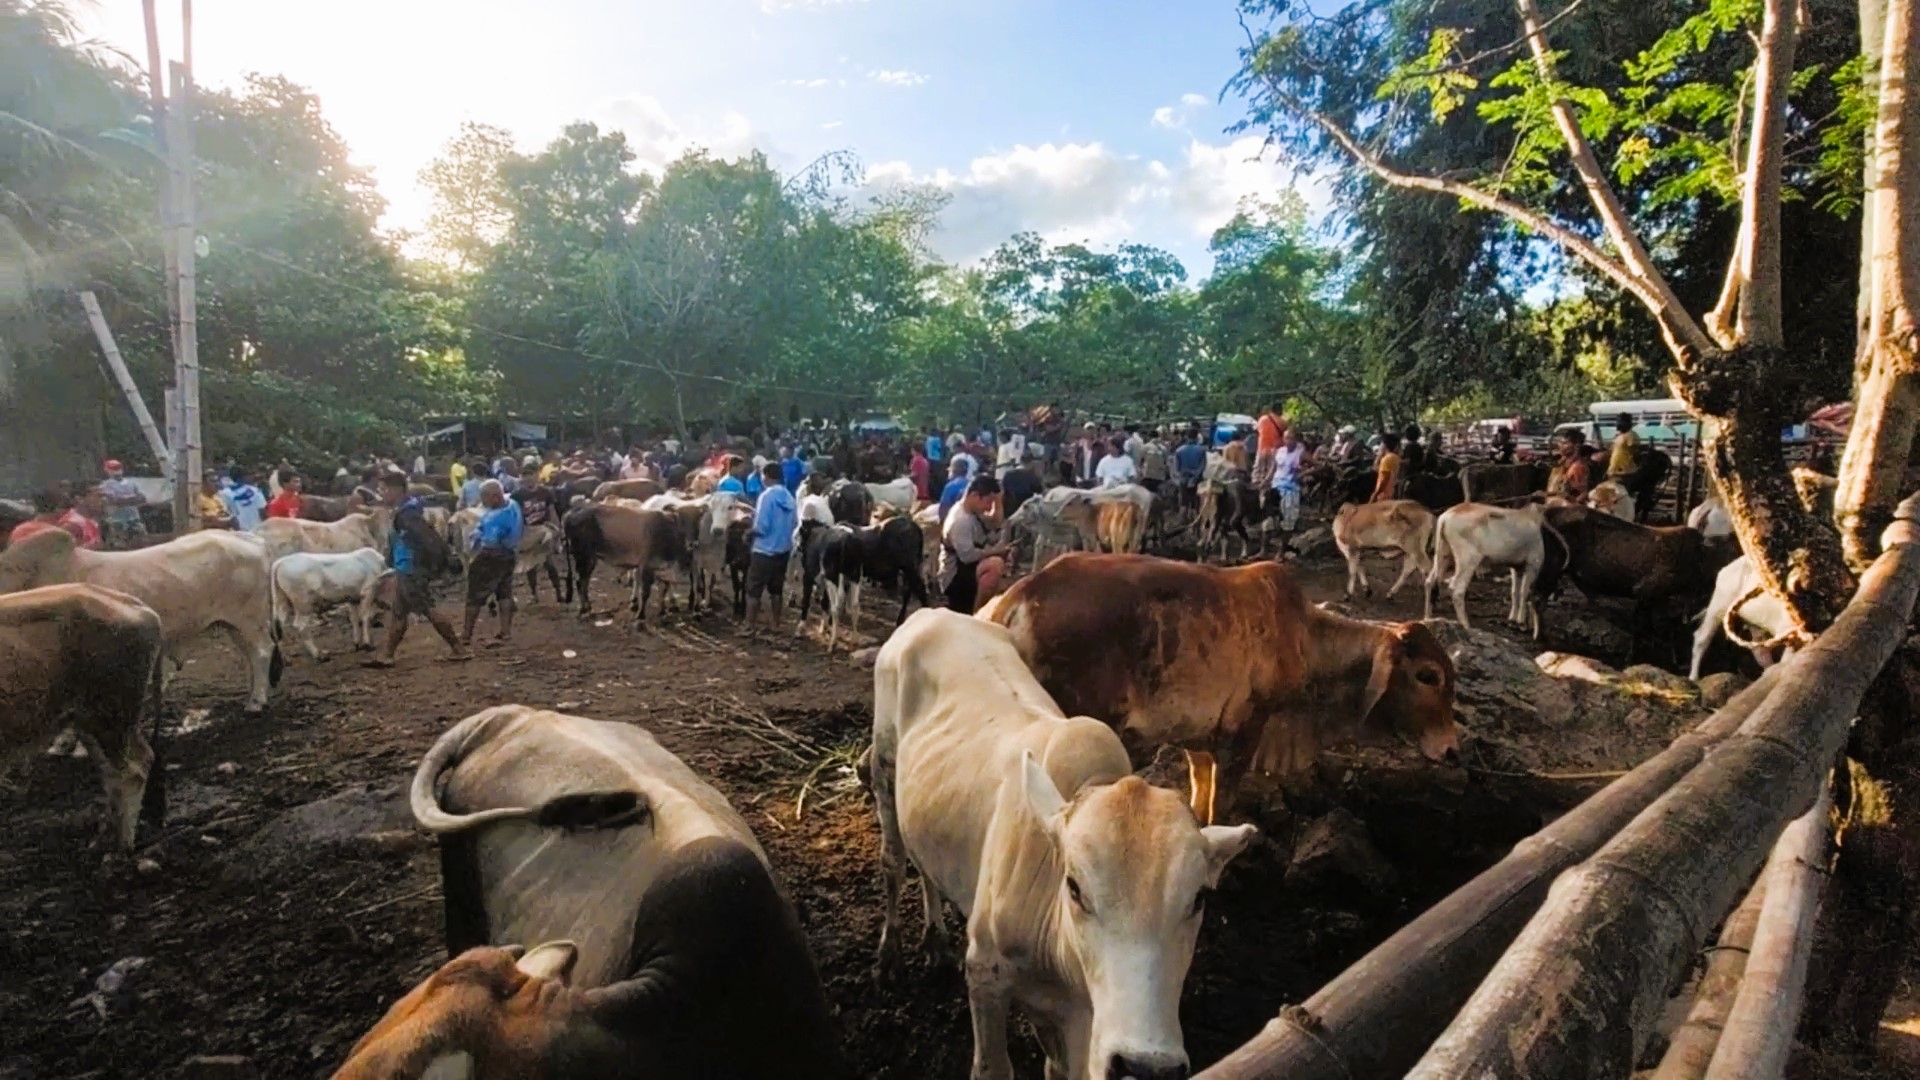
(1433, 74)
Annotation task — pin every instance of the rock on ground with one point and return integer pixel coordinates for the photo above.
(1334, 854)
(1720, 687)
(373, 816)
(1560, 711)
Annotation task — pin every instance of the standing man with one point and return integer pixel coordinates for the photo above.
(1011, 452)
(968, 567)
(1267, 431)
(954, 491)
(1287, 466)
(791, 469)
(1086, 455)
(1153, 463)
(123, 501)
(213, 512)
(469, 489)
(496, 542)
(1117, 467)
(1503, 448)
(287, 503)
(1191, 460)
(921, 471)
(773, 519)
(1574, 477)
(735, 480)
(1388, 469)
(413, 550)
(245, 505)
(1134, 443)
(1625, 459)
(49, 509)
(456, 475)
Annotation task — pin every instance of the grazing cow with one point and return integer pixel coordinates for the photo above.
(305, 586)
(1486, 482)
(1711, 518)
(1082, 886)
(1395, 525)
(1064, 518)
(1653, 566)
(628, 489)
(85, 658)
(286, 536)
(648, 542)
(851, 502)
(897, 493)
(1233, 666)
(669, 949)
(194, 582)
(1612, 497)
(1470, 535)
(1738, 581)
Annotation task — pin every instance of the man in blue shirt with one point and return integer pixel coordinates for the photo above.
(955, 490)
(245, 504)
(936, 446)
(773, 518)
(413, 549)
(790, 469)
(736, 469)
(1191, 461)
(470, 489)
(494, 547)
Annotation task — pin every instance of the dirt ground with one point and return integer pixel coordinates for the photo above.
(285, 953)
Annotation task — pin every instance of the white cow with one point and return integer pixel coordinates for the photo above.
(1612, 497)
(537, 542)
(898, 493)
(1081, 884)
(1063, 517)
(1471, 534)
(1763, 612)
(194, 583)
(709, 541)
(286, 536)
(1711, 518)
(1393, 525)
(306, 585)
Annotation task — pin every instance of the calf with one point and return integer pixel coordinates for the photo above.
(194, 582)
(710, 539)
(1082, 886)
(1232, 666)
(670, 952)
(306, 586)
(1395, 525)
(648, 542)
(1737, 581)
(1469, 535)
(85, 658)
(1061, 518)
(286, 536)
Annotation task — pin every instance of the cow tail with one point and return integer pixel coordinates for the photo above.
(273, 603)
(446, 753)
(1566, 549)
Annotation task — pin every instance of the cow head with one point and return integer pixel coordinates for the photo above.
(45, 558)
(500, 1007)
(1409, 693)
(1135, 873)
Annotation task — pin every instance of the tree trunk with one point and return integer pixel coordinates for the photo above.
(1745, 397)
(1691, 1048)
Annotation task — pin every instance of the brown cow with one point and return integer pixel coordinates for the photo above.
(645, 541)
(1233, 666)
(641, 488)
(89, 658)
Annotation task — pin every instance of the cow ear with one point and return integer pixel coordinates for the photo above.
(1223, 843)
(1385, 656)
(1043, 797)
(552, 960)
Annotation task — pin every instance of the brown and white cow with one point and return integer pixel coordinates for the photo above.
(1234, 666)
(651, 543)
(638, 488)
(194, 582)
(84, 658)
(1083, 887)
(286, 536)
(1393, 525)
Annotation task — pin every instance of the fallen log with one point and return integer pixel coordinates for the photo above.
(1580, 989)
(1691, 1049)
(1378, 1016)
(1759, 1032)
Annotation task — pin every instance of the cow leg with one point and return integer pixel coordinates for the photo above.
(1053, 1043)
(583, 570)
(853, 603)
(642, 594)
(303, 626)
(125, 763)
(1462, 578)
(1200, 776)
(259, 650)
(989, 990)
(935, 942)
(362, 615)
(836, 598)
(1408, 564)
(893, 862)
(1356, 574)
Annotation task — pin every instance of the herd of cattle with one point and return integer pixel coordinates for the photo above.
(611, 915)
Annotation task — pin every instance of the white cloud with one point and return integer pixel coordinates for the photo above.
(831, 124)
(1193, 100)
(897, 78)
(1175, 117)
(658, 138)
(806, 84)
(1165, 117)
(1088, 192)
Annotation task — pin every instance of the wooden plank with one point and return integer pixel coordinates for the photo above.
(1580, 989)
(118, 365)
(1378, 1016)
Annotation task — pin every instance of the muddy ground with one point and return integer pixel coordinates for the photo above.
(263, 944)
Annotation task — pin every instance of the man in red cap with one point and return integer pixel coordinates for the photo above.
(123, 501)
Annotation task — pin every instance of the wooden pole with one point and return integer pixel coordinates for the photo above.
(187, 359)
(1760, 1029)
(1691, 1048)
(1377, 1017)
(108, 347)
(1582, 987)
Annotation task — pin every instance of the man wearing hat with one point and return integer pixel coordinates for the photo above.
(123, 500)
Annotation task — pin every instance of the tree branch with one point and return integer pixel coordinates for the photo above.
(1684, 336)
(1759, 321)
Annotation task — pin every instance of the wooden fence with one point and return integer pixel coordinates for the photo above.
(1556, 962)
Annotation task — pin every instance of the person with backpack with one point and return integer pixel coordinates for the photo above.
(416, 552)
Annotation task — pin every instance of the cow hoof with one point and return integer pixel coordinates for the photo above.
(255, 710)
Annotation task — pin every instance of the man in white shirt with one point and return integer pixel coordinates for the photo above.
(1008, 457)
(1116, 468)
(964, 464)
(1133, 443)
(1286, 477)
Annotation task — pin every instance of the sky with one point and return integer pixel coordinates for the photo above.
(1077, 119)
